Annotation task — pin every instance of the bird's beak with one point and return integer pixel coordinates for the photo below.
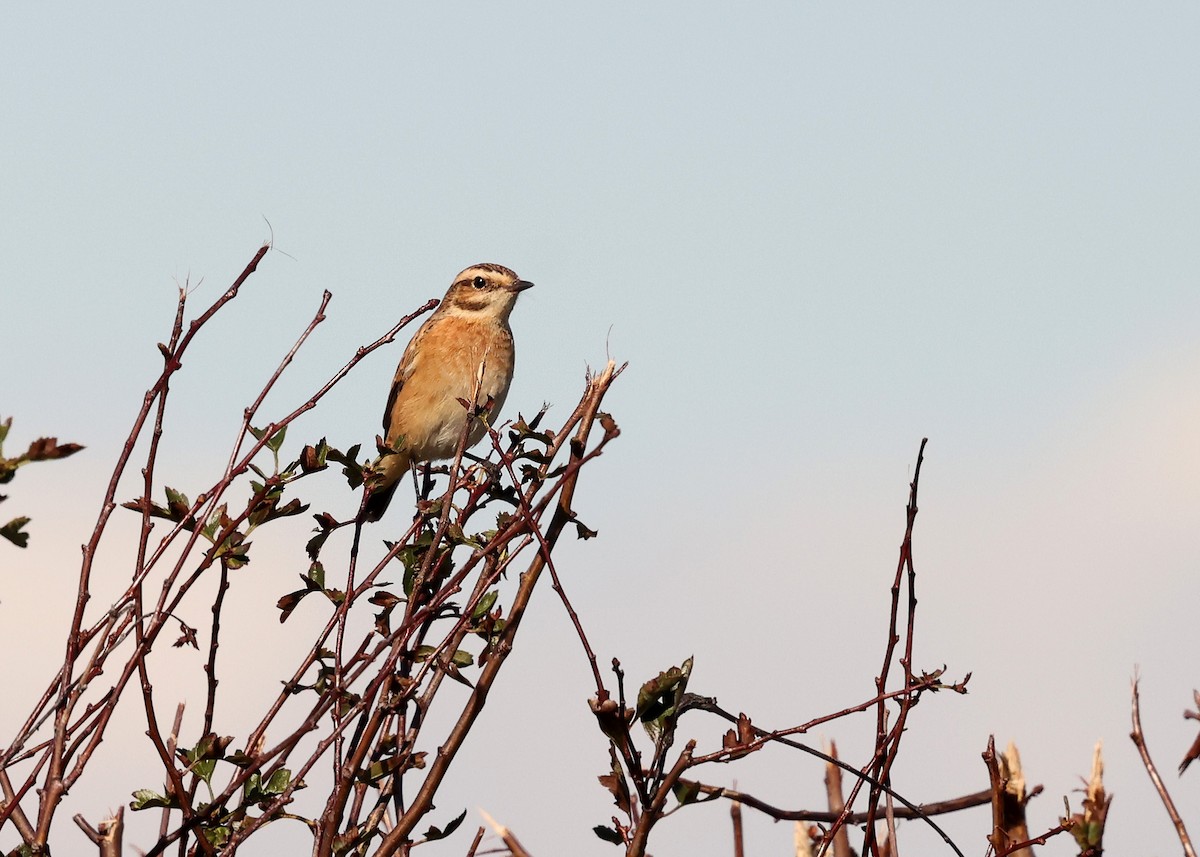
(520, 286)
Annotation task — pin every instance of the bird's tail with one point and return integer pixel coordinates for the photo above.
(394, 468)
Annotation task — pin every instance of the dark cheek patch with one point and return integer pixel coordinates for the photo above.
(470, 305)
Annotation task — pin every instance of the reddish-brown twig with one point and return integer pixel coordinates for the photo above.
(1139, 741)
(887, 750)
(923, 810)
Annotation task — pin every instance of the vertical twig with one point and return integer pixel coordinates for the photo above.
(735, 816)
(1139, 741)
(887, 747)
(172, 745)
(836, 801)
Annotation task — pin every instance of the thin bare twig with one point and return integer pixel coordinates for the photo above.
(475, 842)
(941, 807)
(735, 817)
(1139, 741)
(172, 745)
(836, 801)
(887, 748)
(1026, 844)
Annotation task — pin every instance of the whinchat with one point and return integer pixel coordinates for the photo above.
(466, 345)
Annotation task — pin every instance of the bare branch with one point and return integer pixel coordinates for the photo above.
(1139, 741)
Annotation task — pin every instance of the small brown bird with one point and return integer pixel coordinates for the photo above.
(467, 333)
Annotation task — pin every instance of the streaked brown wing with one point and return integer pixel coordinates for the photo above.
(397, 386)
(403, 372)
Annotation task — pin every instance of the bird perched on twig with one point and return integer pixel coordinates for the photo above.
(465, 344)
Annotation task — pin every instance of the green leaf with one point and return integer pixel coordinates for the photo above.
(267, 508)
(484, 606)
(147, 799)
(177, 504)
(234, 552)
(215, 521)
(278, 782)
(276, 440)
(204, 770)
(256, 791)
(685, 792)
(658, 699)
(688, 792)
(252, 790)
(215, 836)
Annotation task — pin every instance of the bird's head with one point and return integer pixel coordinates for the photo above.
(484, 290)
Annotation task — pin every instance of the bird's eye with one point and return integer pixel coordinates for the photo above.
(479, 282)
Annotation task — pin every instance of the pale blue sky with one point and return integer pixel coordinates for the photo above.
(817, 232)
